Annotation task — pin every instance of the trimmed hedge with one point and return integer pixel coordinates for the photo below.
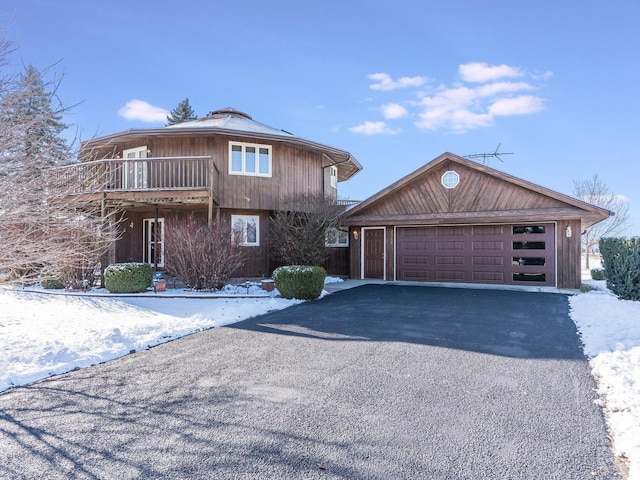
(128, 277)
(621, 260)
(49, 281)
(598, 274)
(299, 281)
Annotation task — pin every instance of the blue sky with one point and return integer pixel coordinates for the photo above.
(396, 83)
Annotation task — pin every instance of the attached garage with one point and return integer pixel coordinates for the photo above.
(457, 221)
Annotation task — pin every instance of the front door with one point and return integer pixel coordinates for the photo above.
(373, 258)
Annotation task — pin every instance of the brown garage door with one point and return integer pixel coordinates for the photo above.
(519, 254)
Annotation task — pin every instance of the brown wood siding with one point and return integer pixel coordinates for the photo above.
(569, 274)
(294, 170)
(389, 249)
(476, 192)
(257, 261)
(354, 252)
(129, 247)
(338, 261)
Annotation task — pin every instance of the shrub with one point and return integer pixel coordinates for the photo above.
(50, 281)
(621, 260)
(128, 277)
(297, 231)
(203, 257)
(299, 281)
(598, 274)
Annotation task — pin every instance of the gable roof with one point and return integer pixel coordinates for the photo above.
(229, 121)
(484, 195)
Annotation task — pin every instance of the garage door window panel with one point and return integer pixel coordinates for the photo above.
(529, 245)
(538, 261)
(526, 229)
(529, 277)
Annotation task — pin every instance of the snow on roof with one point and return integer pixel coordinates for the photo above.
(232, 119)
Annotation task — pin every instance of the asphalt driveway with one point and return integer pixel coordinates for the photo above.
(376, 382)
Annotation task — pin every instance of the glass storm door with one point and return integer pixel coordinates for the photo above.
(135, 172)
(153, 247)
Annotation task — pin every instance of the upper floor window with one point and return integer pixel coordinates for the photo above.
(246, 229)
(333, 174)
(336, 237)
(249, 159)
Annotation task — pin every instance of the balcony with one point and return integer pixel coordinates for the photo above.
(140, 181)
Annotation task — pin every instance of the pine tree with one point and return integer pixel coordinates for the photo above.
(33, 116)
(182, 113)
(42, 225)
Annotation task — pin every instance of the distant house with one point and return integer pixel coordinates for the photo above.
(225, 165)
(454, 220)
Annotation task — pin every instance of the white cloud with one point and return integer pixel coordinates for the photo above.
(522, 105)
(498, 88)
(480, 72)
(485, 93)
(373, 128)
(542, 76)
(385, 82)
(463, 108)
(143, 111)
(458, 120)
(392, 111)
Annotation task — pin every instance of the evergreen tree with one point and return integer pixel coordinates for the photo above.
(43, 223)
(32, 115)
(182, 113)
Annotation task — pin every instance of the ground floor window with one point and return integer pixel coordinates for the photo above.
(336, 237)
(247, 229)
(153, 241)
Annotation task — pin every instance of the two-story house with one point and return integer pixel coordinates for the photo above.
(225, 165)
(451, 221)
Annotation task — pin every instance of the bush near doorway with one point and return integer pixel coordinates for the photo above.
(128, 277)
(303, 282)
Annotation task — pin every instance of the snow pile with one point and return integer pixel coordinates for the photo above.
(44, 335)
(610, 331)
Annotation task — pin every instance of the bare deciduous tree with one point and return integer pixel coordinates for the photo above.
(595, 192)
(43, 222)
(203, 257)
(297, 231)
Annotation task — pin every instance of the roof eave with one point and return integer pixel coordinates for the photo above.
(590, 210)
(342, 156)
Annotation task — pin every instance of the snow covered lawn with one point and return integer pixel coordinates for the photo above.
(47, 334)
(610, 332)
(43, 335)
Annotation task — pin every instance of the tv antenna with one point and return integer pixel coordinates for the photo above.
(484, 156)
